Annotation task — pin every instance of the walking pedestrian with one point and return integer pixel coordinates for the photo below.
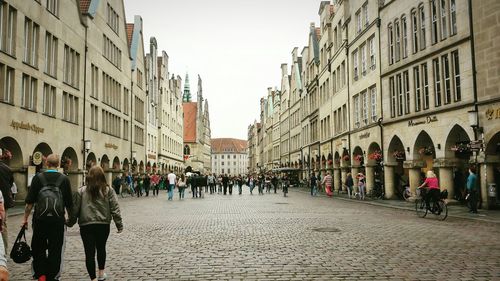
(239, 181)
(327, 181)
(251, 184)
(225, 181)
(139, 185)
(314, 186)
(50, 194)
(230, 185)
(171, 184)
(147, 184)
(6, 183)
(211, 183)
(155, 184)
(274, 182)
(95, 204)
(181, 184)
(361, 186)
(117, 183)
(349, 183)
(472, 190)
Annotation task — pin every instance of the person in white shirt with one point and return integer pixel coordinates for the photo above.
(171, 184)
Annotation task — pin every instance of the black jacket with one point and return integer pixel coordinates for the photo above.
(6, 181)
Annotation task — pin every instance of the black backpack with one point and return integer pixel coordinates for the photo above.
(49, 203)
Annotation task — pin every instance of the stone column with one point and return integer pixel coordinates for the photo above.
(370, 178)
(343, 172)
(445, 167)
(389, 185)
(337, 180)
(414, 167)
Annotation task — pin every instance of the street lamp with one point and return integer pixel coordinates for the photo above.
(87, 144)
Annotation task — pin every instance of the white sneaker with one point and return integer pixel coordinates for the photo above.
(104, 276)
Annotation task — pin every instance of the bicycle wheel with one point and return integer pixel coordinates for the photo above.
(442, 210)
(406, 194)
(420, 208)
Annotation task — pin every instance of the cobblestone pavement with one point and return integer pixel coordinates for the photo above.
(271, 237)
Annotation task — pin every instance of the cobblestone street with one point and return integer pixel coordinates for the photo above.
(270, 237)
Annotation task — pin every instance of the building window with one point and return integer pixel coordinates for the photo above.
(139, 79)
(358, 22)
(111, 126)
(6, 83)
(425, 81)
(373, 102)
(397, 35)
(393, 97)
(94, 81)
(414, 24)
(31, 36)
(446, 77)
(373, 60)
(94, 117)
(49, 100)
(51, 44)
(111, 52)
(70, 108)
(138, 135)
(355, 64)
(364, 100)
(356, 111)
(363, 60)
(444, 26)
(113, 19)
(416, 82)
(125, 129)
(404, 28)
(126, 99)
(29, 92)
(399, 88)
(437, 83)
(406, 89)
(391, 44)
(422, 26)
(8, 28)
(456, 76)
(365, 14)
(434, 21)
(53, 7)
(71, 67)
(453, 17)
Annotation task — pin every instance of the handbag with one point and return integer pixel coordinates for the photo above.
(21, 251)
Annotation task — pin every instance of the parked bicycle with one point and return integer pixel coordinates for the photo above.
(378, 191)
(437, 207)
(127, 189)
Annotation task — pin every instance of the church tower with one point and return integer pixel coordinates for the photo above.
(187, 91)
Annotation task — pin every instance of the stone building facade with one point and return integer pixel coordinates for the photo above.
(229, 156)
(73, 78)
(396, 87)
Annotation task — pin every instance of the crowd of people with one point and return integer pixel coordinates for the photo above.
(198, 184)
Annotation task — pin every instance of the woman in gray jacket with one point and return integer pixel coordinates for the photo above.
(94, 205)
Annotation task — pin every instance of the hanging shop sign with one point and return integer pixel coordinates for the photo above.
(427, 120)
(26, 126)
(364, 135)
(492, 113)
(37, 158)
(151, 156)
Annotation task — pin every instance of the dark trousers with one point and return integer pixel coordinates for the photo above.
(212, 188)
(146, 189)
(473, 198)
(432, 196)
(240, 189)
(194, 191)
(206, 188)
(47, 248)
(156, 190)
(225, 189)
(230, 189)
(94, 237)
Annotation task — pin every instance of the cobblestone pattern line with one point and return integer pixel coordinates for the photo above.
(260, 238)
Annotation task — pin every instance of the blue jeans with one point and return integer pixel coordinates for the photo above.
(170, 191)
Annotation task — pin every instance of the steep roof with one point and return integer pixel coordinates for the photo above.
(228, 145)
(190, 110)
(84, 6)
(130, 32)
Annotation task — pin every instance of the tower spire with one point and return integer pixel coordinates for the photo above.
(187, 91)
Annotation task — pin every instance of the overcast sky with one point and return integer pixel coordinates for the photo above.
(236, 46)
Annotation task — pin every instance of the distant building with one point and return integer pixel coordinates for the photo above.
(229, 156)
(196, 130)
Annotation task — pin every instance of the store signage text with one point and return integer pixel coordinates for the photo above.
(427, 120)
(151, 156)
(26, 126)
(493, 113)
(110, 145)
(364, 136)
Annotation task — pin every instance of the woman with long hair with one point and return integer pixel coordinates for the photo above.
(94, 206)
(181, 184)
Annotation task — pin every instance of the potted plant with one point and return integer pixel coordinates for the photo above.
(461, 148)
(358, 158)
(426, 150)
(398, 154)
(376, 155)
(346, 158)
(5, 154)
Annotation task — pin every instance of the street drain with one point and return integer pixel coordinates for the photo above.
(281, 203)
(326, 229)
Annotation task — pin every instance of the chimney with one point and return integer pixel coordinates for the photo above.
(284, 69)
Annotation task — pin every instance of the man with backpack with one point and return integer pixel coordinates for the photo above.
(50, 193)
